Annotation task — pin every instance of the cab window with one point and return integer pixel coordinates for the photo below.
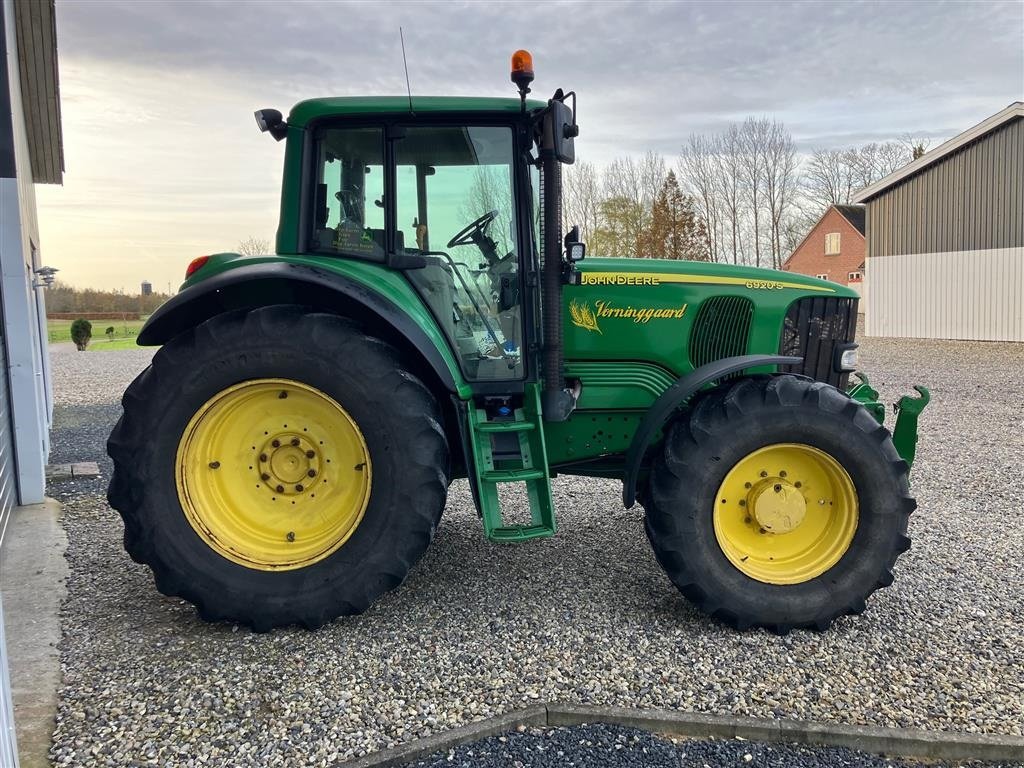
(349, 198)
(455, 206)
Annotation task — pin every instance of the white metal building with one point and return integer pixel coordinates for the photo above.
(30, 153)
(945, 238)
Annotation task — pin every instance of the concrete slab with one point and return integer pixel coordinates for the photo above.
(85, 469)
(32, 574)
(56, 473)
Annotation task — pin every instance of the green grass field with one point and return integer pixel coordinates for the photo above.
(122, 337)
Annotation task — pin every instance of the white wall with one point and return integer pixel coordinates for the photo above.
(23, 305)
(977, 295)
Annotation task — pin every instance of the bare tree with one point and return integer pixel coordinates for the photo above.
(581, 205)
(830, 177)
(630, 188)
(780, 181)
(253, 246)
(873, 161)
(698, 169)
(916, 145)
(753, 143)
(730, 183)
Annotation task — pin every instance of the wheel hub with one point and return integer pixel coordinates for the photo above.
(289, 463)
(778, 507)
(785, 513)
(273, 474)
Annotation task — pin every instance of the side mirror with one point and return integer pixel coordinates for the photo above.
(560, 130)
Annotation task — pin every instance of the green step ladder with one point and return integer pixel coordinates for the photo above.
(529, 467)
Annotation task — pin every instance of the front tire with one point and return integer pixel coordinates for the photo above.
(778, 502)
(278, 466)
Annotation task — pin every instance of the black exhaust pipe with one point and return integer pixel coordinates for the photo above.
(557, 402)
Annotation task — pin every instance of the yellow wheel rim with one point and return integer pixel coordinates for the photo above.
(273, 474)
(786, 513)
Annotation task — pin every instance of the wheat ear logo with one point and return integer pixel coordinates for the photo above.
(583, 316)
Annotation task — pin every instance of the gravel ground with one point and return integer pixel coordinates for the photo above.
(609, 746)
(586, 617)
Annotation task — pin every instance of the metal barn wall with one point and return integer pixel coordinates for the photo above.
(974, 295)
(971, 200)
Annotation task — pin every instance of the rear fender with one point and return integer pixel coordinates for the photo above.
(265, 283)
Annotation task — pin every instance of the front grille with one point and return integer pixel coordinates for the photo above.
(722, 329)
(814, 327)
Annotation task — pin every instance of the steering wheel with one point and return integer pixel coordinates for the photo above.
(469, 235)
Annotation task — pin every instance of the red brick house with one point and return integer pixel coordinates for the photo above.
(834, 249)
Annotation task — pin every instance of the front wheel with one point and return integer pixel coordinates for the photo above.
(778, 502)
(278, 466)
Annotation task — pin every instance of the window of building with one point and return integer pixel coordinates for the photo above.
(854, 276)
(822, 277)
(832, 244)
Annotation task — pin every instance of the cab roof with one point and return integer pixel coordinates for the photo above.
(341, 106)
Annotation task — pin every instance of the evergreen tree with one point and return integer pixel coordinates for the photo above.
(675, 230)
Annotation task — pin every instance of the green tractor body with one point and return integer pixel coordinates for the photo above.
(421, 269)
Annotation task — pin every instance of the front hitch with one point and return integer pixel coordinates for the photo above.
(904, 435)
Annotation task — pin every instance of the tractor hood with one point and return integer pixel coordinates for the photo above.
(611, 272)
(678, 315)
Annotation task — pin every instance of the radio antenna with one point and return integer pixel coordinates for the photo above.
(405, 63)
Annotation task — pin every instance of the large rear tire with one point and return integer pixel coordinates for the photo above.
(278, 466)
(778, 502)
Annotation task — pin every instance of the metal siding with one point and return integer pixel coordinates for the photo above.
(971, 295)
(970, 200)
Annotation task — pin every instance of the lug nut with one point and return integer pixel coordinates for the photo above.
(746, 485)
(263, 457)
(782, 473)
(264, 477)
(299, 488)
(743, 502)
(282, 396)
(280, 489)
(310, 454)
(763, 473)
(214, 464)
(290, 536)
(798, 484)
(746, 520)
(778, 488)
(311, 473)
(295, 441)
(276, 443)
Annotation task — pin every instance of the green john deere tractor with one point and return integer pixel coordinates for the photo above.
(287, 456)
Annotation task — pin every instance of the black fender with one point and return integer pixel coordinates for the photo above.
(679, 392)
(281, 282)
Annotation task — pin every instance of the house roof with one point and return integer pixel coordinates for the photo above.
(853, 214)
(36, 30)
(1012, 112)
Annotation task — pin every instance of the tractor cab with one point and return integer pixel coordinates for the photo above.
(441, 201)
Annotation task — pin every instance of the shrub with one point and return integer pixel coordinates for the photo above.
(81, 333)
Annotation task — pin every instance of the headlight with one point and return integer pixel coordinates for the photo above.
(848, 359)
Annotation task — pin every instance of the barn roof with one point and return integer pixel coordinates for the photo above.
(1012, 112)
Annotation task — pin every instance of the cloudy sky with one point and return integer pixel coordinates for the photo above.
(164, 161)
